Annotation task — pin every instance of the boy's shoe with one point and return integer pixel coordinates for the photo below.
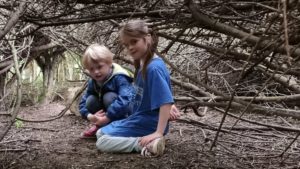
(91, 132)
(154, 148)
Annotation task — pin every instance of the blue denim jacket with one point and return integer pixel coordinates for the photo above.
(120, 83)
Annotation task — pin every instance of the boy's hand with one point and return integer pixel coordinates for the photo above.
(100, 113)
(174, 113)
(102, 119)
(92, 118)
(143, 141)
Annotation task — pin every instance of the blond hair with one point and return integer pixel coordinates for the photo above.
(139, 29)
(96, 53)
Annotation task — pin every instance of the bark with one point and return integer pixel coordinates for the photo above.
(5, 69)
(14, 18)
(2, 85)
(48, 63)
(190, 86)
(48, 81)
(285, 80)
(45, 47)
(5, 63)
(288, 82)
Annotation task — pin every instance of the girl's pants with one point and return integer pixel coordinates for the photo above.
(107, 143)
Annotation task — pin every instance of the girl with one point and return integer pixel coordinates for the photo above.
(142, 131)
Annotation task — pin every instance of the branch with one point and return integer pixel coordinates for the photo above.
(44, 47)
(97, 2)
(286, 36)
(287, 98)
(230, 54)
(252, 108)
(211, 24)
(19, 93)
(6, 68)
(13, 19)
(99, 18)
(281, 128)
(190, 86)
(6, 63)
(289, 83)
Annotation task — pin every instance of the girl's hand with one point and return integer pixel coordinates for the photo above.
(174, 113)
(143, 141)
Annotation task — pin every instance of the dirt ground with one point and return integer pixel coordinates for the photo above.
(56, 144)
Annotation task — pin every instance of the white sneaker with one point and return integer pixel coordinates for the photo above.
(154, 148)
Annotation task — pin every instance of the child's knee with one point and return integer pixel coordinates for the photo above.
(92, 104)
(99, 134)
(102, 143)
(108, 98)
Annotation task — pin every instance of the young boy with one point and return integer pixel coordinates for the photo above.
(110, 91)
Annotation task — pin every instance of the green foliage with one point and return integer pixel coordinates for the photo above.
(19, 123)
(32, 78)
(73, 59)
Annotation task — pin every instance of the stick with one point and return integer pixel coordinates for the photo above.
(19, 92)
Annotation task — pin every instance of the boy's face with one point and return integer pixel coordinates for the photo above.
(99, 70)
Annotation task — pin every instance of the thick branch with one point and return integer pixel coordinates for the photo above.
(190, 86)
(99, 18)
(44, 47)
(97, 2)
(289, 83)
(277, 99)
(6, 68)
(13, 19)
(253, 108)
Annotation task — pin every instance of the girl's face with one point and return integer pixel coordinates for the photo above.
(99, 70)
(136, 47)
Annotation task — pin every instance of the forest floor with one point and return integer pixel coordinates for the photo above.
(57, 144)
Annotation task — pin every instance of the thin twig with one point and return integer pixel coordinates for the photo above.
(241, 76)
(19, 92)
(62, 112)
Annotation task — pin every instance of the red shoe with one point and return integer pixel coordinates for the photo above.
(90, 133)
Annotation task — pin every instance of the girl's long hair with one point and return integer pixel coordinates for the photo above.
(139, 29)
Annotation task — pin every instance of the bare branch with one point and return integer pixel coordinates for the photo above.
(19, 93)
(14, 18)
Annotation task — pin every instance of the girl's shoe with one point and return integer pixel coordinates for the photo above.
(154, 148)
(90, 133)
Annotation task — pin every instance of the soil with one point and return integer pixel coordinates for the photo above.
(57, 144)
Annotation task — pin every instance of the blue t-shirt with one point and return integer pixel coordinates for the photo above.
(151, 94)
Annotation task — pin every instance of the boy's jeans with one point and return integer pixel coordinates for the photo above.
(93, 103)
(107, 143)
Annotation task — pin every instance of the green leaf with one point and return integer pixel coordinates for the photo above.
(19, 123)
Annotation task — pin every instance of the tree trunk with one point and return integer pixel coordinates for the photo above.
(49, 63)
(2, 86)
(47, 83)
